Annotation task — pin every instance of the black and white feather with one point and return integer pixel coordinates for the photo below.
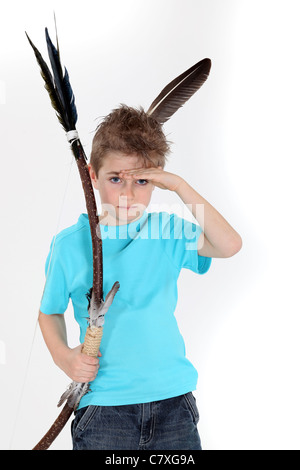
(96, 311)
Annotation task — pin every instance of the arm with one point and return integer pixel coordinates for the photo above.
(218, 239)
(79, 367)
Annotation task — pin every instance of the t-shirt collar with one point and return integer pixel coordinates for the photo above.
(121, 231)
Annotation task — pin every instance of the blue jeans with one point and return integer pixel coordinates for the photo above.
(161, 425)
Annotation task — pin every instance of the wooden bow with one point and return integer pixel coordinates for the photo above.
(63, 101)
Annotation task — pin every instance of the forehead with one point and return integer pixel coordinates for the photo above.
(117, 161)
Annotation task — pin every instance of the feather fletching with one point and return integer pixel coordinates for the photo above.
(58, 86)
(178, 91)
(49, 84)
(62, 84)
(70, 99)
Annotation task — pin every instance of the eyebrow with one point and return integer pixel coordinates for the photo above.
(112, 173)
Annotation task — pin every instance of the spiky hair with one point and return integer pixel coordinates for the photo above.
(130, 131)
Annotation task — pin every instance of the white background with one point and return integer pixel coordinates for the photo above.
(236, 142)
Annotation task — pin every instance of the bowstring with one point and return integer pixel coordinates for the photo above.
(28, 361)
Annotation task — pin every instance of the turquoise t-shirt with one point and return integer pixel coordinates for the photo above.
(143, 353)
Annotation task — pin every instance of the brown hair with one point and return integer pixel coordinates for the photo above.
(130, 131)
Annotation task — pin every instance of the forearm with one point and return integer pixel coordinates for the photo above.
(219, 239)
(53, 328)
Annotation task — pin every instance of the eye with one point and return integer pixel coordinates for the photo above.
(115, 178)
(141, 182)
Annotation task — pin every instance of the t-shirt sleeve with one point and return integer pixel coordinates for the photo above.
(181, 240)
(56, 295)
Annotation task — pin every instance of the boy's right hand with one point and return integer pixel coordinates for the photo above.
(80, 367)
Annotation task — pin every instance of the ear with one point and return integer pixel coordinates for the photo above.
(94, 177)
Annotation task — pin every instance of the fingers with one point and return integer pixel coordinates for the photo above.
(86, 368)
(80, 367)
(86, 372)
(130, 173)
(89, 360)
(89, 368)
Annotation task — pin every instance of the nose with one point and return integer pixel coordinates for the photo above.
(127, 190)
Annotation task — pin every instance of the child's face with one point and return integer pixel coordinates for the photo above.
(122, 200)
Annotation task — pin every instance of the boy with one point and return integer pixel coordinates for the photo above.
(141, 395)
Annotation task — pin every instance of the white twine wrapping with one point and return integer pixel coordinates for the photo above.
(72, 135)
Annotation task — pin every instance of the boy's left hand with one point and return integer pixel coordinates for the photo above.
(155, 175)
